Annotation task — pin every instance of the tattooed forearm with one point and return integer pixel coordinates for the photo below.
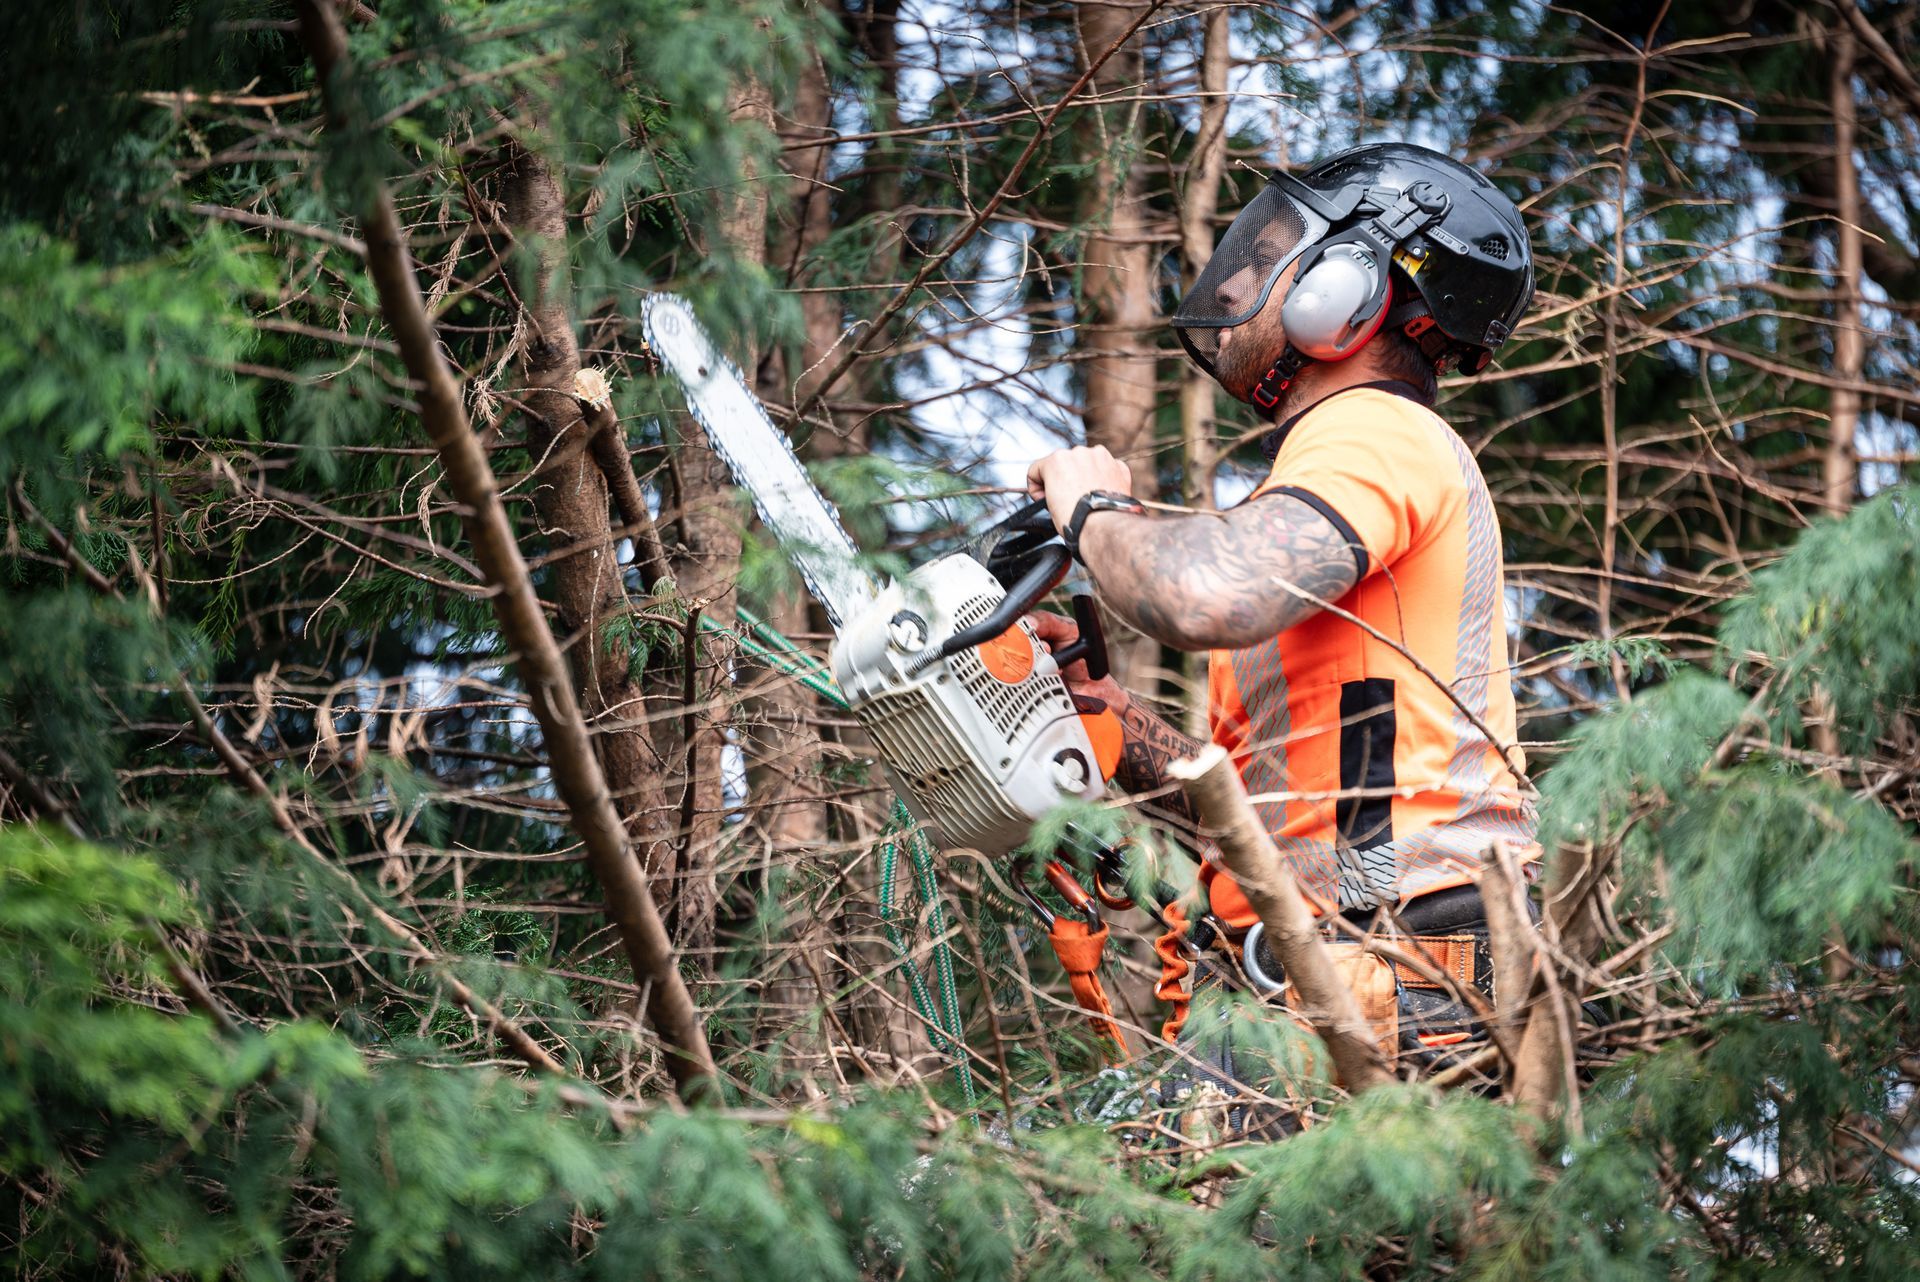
(1219, 581)
(1151, 745)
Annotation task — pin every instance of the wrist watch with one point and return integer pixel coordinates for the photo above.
(1096, 501)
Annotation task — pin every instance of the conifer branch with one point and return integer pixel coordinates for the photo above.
(1220, 800)
(193, 986)
(576, 771)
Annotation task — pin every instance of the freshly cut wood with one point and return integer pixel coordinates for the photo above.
(1327, 1003)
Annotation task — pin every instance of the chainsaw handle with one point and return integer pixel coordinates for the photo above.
(1092, 642)
(1032, 518)
(1025, 539)
(1048, 568)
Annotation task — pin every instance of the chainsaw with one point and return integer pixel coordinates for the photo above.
(965, 707)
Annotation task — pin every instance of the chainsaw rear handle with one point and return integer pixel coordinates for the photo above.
(1048, 568)
(1027, 540)
(1092, 642)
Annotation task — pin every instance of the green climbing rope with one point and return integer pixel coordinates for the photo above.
(940, 1008)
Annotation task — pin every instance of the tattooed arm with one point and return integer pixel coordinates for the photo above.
(1202, 580)
(1205, 581)
(1151, 745)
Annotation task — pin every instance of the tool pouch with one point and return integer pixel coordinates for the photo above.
(1371, 981)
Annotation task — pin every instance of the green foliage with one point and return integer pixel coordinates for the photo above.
(1637, 758)
(58, 651)
(159, 363)
(1765, 868)
(1641, 656)
(90, 355)
(656, 629)
(1760, 863)
(1840, 612)
(1398, 1159)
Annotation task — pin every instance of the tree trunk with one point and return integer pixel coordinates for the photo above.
(784, 753)
(570, 496)
(710, 526)
(1840, 471)
(1199, 202)
(1118, 312)
(576, 773)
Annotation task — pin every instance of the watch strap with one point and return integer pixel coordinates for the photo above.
(1096, 501)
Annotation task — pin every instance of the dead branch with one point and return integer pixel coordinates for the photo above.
(1327, 1003)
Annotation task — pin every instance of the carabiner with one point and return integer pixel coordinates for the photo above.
(1073, 892)
(1111, 864)
(1039, 905)
(1064, 885)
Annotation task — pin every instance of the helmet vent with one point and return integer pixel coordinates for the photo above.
(1494, 247)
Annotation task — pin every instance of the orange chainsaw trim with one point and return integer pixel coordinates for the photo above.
(1108, 737)
(1080, 948)
(1008, 658)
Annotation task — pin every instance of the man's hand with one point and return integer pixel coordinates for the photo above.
(1065, 476)
(1057, 631)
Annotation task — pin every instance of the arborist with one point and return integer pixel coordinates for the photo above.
(1353, 607)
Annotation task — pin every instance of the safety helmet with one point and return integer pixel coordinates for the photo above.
(1387, 234)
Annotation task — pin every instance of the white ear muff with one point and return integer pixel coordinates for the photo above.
(1337, 305)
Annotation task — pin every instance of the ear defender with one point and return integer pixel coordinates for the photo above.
(1337, 302)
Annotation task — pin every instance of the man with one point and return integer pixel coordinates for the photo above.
(1353, 607)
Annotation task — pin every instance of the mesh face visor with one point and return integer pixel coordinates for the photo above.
(1272, 231)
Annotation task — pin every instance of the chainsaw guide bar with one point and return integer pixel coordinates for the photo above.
(761, 458)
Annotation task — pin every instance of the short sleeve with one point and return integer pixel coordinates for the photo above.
(1379, 467)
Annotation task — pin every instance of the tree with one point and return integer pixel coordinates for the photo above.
(401, 802)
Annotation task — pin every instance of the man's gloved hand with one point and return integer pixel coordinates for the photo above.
(1057, 630)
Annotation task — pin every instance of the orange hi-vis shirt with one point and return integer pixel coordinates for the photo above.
(1374, 784)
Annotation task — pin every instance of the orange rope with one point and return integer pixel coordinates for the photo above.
(1174, 969)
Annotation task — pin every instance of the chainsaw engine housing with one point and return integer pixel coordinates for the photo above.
(982, 743)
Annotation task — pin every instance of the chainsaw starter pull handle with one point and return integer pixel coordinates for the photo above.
(1091, 644)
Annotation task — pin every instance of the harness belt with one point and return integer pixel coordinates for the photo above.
(1468, 958)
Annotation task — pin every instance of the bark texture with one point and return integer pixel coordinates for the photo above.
(1119, 315)
(1328, 1005)
(1199, 203)
(710, 529)
(576, 772)
(1840, 471)
(570, 495)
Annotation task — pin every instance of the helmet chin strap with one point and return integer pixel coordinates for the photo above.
(1267, 392)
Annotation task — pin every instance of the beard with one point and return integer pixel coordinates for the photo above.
(1248, 351)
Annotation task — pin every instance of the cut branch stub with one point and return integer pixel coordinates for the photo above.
(1327, 1003)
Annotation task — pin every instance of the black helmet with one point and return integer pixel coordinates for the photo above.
(1387, 234)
